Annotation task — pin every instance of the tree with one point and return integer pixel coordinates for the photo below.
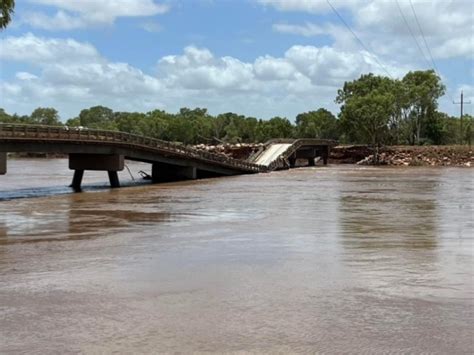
(371, 114)
(237, 128)
(423, 88)
(45, 116)
(365, 85)
(98, 117)
(435, 128)
(280, 127)
(6, 12)
(355, 127)
(317, 124)
(5, 117)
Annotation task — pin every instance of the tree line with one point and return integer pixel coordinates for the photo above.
(375, 110)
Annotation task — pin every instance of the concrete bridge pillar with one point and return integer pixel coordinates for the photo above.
(102, 162)
(163, 172)
(3, 163)
(325, 155)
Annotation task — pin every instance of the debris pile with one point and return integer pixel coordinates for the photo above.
(459, 156)
(237, 151)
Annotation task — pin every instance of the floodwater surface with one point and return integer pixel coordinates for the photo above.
(328, 259)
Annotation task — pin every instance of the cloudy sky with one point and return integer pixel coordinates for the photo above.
(261, 58)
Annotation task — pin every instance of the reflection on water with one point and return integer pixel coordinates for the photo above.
(331, 260)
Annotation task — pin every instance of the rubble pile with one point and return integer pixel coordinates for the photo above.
(237, 151)
(459, 156)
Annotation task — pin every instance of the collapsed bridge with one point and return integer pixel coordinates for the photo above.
(90, 149)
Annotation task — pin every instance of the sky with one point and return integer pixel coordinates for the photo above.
(260, 58)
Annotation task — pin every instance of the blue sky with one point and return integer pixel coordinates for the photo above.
(261, 58)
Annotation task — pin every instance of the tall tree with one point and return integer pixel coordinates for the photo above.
(423, 88)
(6, 12)
(364, 89)
(98, 117)
(317, 124)
(45, 116)
(5, 117)
(371, 114)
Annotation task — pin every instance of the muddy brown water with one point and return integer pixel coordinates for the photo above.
(338, 259)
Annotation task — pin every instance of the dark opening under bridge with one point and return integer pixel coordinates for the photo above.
(90, 149)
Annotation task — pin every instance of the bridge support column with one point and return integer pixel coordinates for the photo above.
(114, 179)
(163, 172)
(102, 162)
(3, 163)
(326, 155)
(311, 161)
(77, 180)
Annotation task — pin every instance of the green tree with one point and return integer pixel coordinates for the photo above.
(280, 127)
(237, 128)
(157, 123)
(355, 128)
(317, 124)
(370, 115)
(365, 85)
(423, 88)
(73, 122)
(6, 12)
(468, 129)
(435, 128)
(45, 116)
(5, 117)
(98, 117)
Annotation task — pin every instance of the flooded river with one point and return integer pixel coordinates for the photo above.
(339, 259)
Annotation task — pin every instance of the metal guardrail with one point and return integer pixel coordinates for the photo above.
(85, 135)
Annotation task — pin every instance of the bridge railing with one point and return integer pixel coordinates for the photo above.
(82, 135)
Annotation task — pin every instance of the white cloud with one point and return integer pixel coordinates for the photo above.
(307, 30)
(151, 26)
(72, 75)
(60, 21)
(86, 13)
(198, 69)
(32, 49)
(448, 26)
(25, 76)
(312, 6)
(269, 68)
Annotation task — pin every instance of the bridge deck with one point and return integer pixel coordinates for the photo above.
(272, 153)
(28, 138)
(105, 150)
